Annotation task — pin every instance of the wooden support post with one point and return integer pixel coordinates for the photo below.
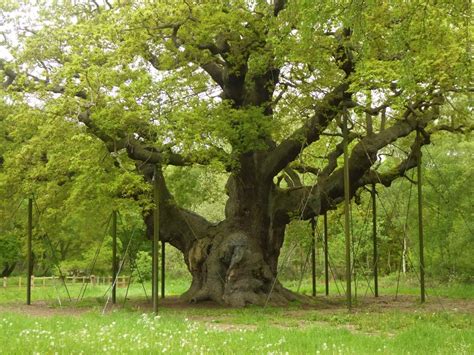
(420, 224)
(326, 254)
(4, 281)
(313, 255)
(347, 227)
(373, 193)
(156, 237)
(163, 261)
(29, 251)
(114, 256)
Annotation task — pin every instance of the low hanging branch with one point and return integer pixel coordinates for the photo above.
(330, 188)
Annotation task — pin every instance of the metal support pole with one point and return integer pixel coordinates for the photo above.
(347, 227)
(420, 224)
(326, 254)
(29, 251)
(313, 255)
(156, 237)
(114, 256)
(163, 261)
(373, 193)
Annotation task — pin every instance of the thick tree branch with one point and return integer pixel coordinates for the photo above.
(288, 150)
(183, 227)
(374, 177)
(335, 154)
(364, 154)
(451, 129)
(215, 71)
(303, 168)
(330, 191)
(135, 149)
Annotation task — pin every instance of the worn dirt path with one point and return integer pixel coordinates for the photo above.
(333, 304)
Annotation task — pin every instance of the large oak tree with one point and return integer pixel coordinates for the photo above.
(255, 88)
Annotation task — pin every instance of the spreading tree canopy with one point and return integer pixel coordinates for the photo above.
(255, 89)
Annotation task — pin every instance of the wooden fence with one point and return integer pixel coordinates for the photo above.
(44, 281)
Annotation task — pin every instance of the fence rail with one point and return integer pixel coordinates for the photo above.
(43, 281)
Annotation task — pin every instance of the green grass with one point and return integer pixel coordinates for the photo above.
(387, 285)
(53, 291)
(251, 331)
(82, 328)
(408, 285)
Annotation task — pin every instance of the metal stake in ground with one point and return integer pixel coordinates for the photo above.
(114, 256)
(156, 237)
(420, 222)
(313, 255)
(29, 251)
(347, 230)
(326, 254)
(374, 236)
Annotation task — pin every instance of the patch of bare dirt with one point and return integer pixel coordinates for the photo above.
(42, 309)
(335, 304)
(321, 304)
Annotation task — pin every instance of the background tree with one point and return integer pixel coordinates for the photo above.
(255, 89)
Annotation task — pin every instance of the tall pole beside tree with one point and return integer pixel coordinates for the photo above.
(163, 266)
(156, 240)
(114, 256)
(373, 193)
(326, 253)
(313, 256)
(420, 223)
(29, 251)
(347, 221)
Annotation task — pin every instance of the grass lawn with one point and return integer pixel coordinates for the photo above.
(444, 325)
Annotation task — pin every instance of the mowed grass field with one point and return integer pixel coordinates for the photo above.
(443, 325)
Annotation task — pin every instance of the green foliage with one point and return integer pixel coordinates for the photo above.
(199, 188)
(10, 250)
(143, 269)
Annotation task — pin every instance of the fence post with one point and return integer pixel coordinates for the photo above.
(5, 281)
(19, 281)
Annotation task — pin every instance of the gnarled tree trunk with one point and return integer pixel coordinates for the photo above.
(235, 261)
